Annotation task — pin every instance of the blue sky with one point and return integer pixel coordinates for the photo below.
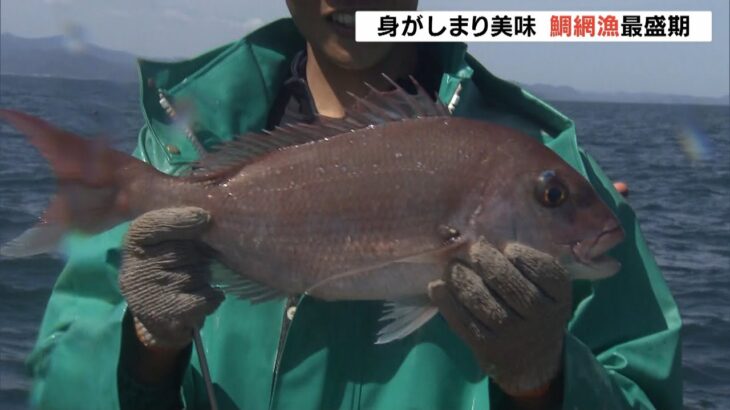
(180, 28)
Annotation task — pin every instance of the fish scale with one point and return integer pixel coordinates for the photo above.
(401, 207)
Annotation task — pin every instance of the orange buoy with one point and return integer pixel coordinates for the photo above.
(622, 188)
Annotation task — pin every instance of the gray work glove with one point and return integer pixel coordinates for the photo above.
(165, 276)
(511, 309)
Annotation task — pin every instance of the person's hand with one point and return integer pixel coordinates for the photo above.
(511, 308)
(165, 276)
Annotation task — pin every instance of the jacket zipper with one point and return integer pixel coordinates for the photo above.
(292, 301)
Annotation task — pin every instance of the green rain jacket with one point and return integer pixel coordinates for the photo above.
(622, 347)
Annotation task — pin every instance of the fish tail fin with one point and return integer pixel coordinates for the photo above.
(91, 196)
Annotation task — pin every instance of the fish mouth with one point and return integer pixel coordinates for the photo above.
(589, 255)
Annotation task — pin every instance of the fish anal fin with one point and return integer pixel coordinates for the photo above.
(241, 287)
(404, 317)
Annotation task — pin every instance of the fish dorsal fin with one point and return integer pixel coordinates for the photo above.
(378, 107)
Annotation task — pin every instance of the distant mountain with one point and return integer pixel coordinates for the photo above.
(54, 57)
(565, 93)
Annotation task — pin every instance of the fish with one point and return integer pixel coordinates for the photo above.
(372, 206)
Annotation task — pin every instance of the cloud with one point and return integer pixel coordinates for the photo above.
(176, 14)
(252, 24)
(118, 13)
(243, 26)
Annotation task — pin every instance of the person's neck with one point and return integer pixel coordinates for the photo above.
(330, 83)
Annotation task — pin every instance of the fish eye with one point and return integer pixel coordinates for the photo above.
(550, 191)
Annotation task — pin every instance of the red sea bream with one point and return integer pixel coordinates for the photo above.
(372, 206)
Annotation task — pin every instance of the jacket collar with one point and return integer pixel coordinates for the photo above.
(234, 86)
(217, 95)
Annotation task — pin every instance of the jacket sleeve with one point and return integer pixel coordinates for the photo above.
(623, 344)
(135, 395)
(79, 358)
(79, 361)
(74, 362)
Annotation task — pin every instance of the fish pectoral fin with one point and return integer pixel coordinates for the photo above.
(405, 317)
(438, 256)
(241, 287)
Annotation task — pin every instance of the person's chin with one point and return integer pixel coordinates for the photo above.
(356, 56)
